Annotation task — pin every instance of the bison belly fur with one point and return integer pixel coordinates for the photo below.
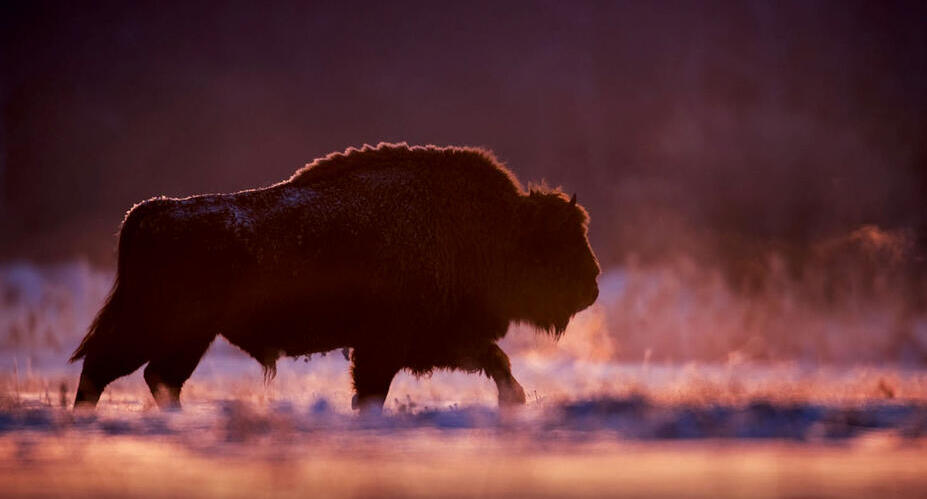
(414, 257)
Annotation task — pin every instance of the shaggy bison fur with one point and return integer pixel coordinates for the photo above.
(415, 257)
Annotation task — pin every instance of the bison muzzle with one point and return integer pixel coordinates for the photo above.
(416, 258)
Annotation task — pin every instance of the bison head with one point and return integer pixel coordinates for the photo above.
(556, 267)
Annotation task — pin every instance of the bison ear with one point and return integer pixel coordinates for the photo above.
(573, 200)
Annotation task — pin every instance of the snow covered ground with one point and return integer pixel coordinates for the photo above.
(602, 418)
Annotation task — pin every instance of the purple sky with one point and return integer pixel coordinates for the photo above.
(770, 123)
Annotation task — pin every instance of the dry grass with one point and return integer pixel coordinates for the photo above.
(609, 412)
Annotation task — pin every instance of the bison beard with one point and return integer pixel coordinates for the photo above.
(416, 257)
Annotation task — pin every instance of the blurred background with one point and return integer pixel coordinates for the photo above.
(756, 172)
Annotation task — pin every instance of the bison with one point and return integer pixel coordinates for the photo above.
(415, 258)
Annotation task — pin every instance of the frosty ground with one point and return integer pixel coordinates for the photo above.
(597, 422)
(699, 430)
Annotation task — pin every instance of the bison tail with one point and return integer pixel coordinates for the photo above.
(103, 329)
(103, 325)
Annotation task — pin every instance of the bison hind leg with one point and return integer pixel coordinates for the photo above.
(102, 368)
(168, 371)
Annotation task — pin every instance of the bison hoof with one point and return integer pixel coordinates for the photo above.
(84, 405)
(511, 395)
(367, 405)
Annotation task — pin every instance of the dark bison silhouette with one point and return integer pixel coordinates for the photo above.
(415, 257)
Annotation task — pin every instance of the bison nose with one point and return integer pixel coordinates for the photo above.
(593, 295)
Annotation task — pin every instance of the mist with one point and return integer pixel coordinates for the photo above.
(756, 178)
(760, 156)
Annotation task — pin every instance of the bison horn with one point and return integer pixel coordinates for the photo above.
(573, 200)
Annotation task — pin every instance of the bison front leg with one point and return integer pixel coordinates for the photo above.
(373, 372)
(495, 363)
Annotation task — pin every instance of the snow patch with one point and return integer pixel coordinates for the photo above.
(236, 217)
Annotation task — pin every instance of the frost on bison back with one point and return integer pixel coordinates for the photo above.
(416, 257)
